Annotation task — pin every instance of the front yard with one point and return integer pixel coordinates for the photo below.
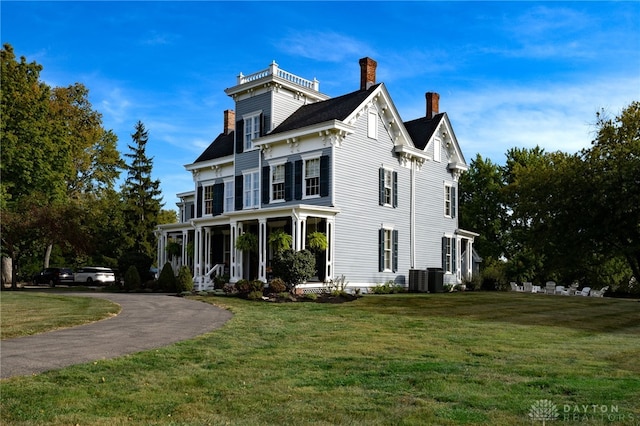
(463, 358)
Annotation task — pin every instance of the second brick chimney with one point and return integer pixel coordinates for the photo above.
(433, 104)
(367, 73)
(229, 121)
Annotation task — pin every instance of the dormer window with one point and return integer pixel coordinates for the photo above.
(251, 129)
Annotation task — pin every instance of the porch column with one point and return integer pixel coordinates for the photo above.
(329, 253)
(197, 255)
(185, 241)
(207, 249)
(469, 259)
(298, 225)
(262, 249)
(162, 238)
(207, 256)
(235, 264)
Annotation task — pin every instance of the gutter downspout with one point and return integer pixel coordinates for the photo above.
(412, 215)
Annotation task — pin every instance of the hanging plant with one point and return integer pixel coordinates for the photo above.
(317, 241)
(173, 249)
(247, 242)
(280, 240)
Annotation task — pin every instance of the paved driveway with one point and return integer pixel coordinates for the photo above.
(146, 321)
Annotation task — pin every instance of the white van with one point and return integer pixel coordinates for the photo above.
(94, 274)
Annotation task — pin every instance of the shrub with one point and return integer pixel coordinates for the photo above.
(257, 285)
(294, 267)
(184, 282)
(243, 286)
(387, 288)
(132, 279)
(310, 296)
(141, 261)
(254, 295)
(220, 280)
(167, 279)
(277, 285)
(230, 289)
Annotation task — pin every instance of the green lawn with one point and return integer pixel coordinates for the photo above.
(24, 313)
(444, 359)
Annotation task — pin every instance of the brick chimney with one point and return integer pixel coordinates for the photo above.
(433, 104)
(367, 73)
(229, 121)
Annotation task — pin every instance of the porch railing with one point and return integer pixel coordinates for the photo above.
(206, 282)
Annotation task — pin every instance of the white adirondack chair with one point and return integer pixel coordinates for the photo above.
(550, 287)
(584, 292)
(516, 287)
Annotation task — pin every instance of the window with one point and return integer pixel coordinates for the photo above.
(387, 249)
(251, 190)
(251, 130)
(437, 145)
(312, 177)
(372, 125)
(228, 196)
(277, 182)
(449, 200)
(449, 254)
(388, 254)
(388, 187)
(208, 199)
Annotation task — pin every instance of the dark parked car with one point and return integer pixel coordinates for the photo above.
(54, 276)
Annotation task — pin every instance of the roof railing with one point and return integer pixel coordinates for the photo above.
(285, 75)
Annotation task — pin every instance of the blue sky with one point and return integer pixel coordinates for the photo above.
(509, 74)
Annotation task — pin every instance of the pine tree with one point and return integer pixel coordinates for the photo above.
(142, 196)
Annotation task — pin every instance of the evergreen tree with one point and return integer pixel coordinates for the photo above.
(142, 196)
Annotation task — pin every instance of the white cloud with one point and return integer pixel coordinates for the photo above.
(326, 46)
(493, 119)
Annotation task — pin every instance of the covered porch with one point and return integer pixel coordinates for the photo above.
(213, 241)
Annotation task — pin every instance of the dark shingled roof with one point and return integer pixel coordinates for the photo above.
(421, 129)
(332, 109)
(222, 146)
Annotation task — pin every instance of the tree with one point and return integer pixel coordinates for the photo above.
(482, 207)
(27, 149)
(142, 196)
(55, 153)
(614, 175)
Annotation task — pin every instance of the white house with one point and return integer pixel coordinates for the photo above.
(382, 190)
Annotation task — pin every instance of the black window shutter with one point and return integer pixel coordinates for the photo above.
(239, 136)
(218, 198)
(324, 176)
(239, 194)
(266, 171)
(395, 189)
(262, 126)
(444, 253)
(266, 127)
(380, 250)
(453, 256)
(453, 201)
(381, 186)
(298, 179)
(395, 250)
(288, 181)
(199, 202)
